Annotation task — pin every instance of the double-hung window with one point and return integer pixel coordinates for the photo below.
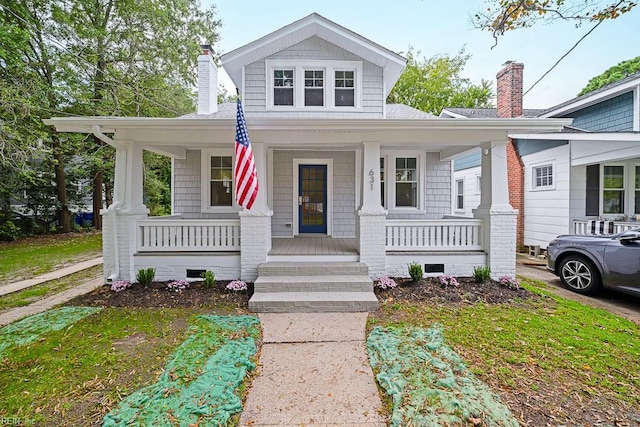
(217, 189)
(460, 194)
(543, 177)
(283, 87)
(314, 88)
(613, 189)
(406, 182)
(344, 88)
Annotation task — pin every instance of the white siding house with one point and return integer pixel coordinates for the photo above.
(349, 186)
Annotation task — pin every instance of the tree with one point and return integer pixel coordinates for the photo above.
(501, 16)
(613, 74)
(435, 83)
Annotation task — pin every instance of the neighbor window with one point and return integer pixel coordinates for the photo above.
(314, 88)
(543, 176)
(283, 87)
(637, 195)
(613, 190)
(344, 89)
(460, 194)
(478, 184)
(406, 182)
(221, 181)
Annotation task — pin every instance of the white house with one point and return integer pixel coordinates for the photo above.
(349, 185)
(585, 179)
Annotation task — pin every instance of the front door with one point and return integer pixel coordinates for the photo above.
(312, 198)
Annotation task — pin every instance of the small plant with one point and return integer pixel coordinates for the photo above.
(236, 285)
(481, 274)
(178, 285)
(145, 276)
(448, 280)
(208, 279)
(415, 271)
(120, 285)
(509, 282)
(385, 283)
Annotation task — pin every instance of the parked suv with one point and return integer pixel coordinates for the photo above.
(586, 263)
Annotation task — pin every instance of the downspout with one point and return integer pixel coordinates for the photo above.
(111, 210)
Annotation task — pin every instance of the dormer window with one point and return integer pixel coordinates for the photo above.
(314, 85)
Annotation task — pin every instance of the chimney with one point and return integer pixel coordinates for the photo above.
(510, 90)
(207, 81)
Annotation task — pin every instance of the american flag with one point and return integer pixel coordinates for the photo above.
(245, 167)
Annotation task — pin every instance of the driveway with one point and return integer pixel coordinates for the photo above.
(623, 305)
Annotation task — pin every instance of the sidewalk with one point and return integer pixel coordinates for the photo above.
(313, 370)
(56, 274)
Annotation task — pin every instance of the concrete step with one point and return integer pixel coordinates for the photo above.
(312, 302)
(312, 268)
(314, 283)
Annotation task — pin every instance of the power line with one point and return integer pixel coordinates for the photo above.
(562, 57)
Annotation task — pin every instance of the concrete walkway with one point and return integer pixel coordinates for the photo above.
(56, 274)
(313, 371)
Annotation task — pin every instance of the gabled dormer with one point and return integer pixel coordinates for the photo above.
(314, 68)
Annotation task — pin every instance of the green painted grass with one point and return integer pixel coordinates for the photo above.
(38, 292)
(38, 255)
(74, 376)
(553, 338)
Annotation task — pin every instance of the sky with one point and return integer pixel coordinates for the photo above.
(443, 27)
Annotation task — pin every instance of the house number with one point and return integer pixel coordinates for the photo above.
(371, 177)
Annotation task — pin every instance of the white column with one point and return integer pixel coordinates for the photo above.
(133, 188)
(371, 218)
(499, 218)
(255, 224)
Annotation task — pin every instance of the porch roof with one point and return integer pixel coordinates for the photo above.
(173, 136)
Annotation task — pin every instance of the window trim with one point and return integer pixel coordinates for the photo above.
(205, 175)
(459, 194)
(390, 184)
(328, 68)
(624, 189)
(552, 186)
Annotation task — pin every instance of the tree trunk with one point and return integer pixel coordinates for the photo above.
(97, 198)
(108, 192)
(63, 213)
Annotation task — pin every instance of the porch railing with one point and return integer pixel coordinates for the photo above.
(188, 235)
(434, 235)
(592, 226)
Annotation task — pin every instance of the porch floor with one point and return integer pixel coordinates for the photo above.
(313, 245)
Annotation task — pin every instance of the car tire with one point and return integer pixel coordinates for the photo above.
(580, 275)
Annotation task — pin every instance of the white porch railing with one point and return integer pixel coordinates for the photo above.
(434, 235)
(185, 235)
(592, 226)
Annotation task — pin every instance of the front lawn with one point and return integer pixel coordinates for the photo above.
(38, 255)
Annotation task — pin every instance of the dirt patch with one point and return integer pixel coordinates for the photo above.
(467, 292)
(157, 295)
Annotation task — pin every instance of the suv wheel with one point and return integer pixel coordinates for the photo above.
(579, 275)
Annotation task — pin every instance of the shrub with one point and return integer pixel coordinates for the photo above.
(481, 274)
(447, 280)
(178, 285)
(9, 232)
(145, 276)
(385, 283)
(208, 279)
(237, 285)
(415, 271)
(120, 285)
(509, 282)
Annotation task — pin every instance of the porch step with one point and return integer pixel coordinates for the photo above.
(312, 302)
(314, 283)
(313, 287)
(312, 268)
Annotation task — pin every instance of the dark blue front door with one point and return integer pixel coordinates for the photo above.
(312, 198)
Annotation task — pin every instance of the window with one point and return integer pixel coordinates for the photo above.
(221, 181)
(543, 177)
(382, 195)
(406, 182)
(314, 88)
(460, 194)
(313, 84)
(283, 87)
(478, 184)
(345, 90)
(637, 195)
(613, 190)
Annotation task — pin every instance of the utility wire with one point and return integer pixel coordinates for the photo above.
(562, 57)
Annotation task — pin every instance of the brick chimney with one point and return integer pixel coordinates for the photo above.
(510, 90)
(207, 81)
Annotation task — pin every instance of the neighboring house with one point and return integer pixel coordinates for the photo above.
(584, 179)
(344, 177)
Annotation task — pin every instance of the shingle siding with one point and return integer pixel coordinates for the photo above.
(613, 115)
(314, 48)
